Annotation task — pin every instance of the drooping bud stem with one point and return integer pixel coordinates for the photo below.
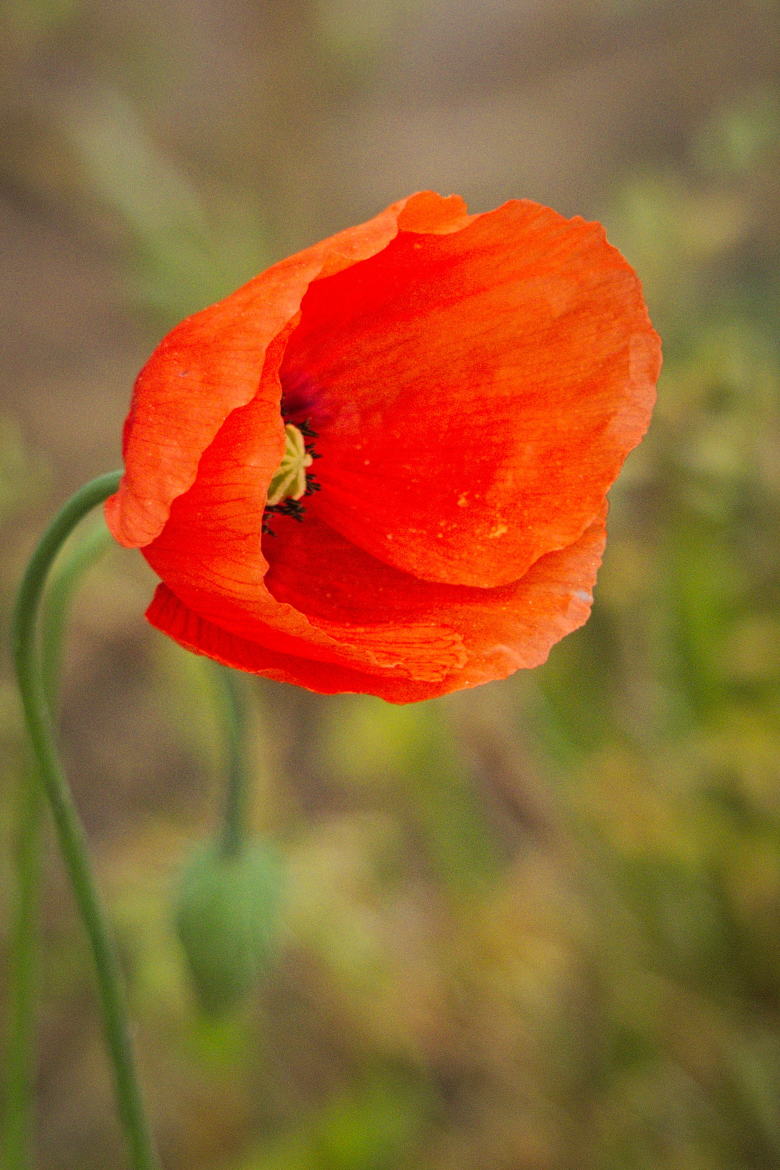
(232, 701)
(289, 480)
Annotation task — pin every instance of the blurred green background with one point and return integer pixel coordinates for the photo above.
(531, 927)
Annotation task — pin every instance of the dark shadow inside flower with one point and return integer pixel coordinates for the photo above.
(302, 401)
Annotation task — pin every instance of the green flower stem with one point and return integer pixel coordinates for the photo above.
(233, 835)
(56, 607)
(68, 826)
(23, 964)
(22, 978)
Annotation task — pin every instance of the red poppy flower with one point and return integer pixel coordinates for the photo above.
(462, 391)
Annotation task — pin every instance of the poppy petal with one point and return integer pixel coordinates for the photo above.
(212, 362)
(169, 615)
(210, 555)
(475, 393)
(338, 587)
(499, 630)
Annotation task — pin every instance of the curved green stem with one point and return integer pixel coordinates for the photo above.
(22, 977)
(234, 828)
(23, 959)
(69, 830)
(56, 607)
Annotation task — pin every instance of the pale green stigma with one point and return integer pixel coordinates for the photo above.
(289, 480)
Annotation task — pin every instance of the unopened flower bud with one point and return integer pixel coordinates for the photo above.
(226, 913)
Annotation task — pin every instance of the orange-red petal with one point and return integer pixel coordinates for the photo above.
(210, 555)
(475, 393)
(212, 362)
(419, 640)
(167, 614)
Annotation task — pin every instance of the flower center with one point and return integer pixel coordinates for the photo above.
(289, 479)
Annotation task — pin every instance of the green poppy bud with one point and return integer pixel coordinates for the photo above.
(226, 914)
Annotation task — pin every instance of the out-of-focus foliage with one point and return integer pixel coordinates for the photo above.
(531, 927)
